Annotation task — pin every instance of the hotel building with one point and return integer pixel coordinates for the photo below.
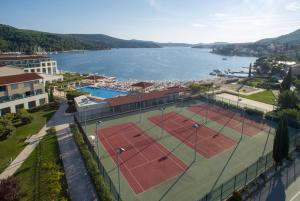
(19, 89)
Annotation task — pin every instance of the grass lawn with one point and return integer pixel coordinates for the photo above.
(254, 81)
(34, 185)
(264, 97)
(15, 143)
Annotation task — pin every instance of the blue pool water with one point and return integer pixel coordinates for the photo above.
(102, 92)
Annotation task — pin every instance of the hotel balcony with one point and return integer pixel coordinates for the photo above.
(27, 94)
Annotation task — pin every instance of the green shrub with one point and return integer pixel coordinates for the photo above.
(26, 118)
(6, 128)
(51, 131)
(21, 112)
(236, 196)
(251, 111)
(91, 165)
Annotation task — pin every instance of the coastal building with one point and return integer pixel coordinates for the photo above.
(43, 65)
(20, 90)
(142, 86)
(88, 107)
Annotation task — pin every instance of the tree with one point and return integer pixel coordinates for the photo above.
(6, 128)
(9, 189)
(250, 69)
(287, 81)
(281, 141)
(287, 99)
(51, 97)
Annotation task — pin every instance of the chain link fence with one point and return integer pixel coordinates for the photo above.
(102, 170)
(242, 179)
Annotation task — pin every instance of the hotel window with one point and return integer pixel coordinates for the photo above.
(5, 111)
(14, 86)
(49, 70)
(31, 104)
(42, 101)
(20, 106)
(2, 88)
(44, 70)
(53, 63)
(44, 64)
(48, 64)
(38, 70)
(27, 84)
(32, 70)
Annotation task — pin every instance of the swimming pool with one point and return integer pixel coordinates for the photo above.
(102, 92)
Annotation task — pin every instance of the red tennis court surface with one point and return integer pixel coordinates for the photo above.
(210, 143)
(228, 118)
(145, 163)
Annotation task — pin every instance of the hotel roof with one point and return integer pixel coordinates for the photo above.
(142, 84)
(14, 58)
(122, 100)
(19, 78)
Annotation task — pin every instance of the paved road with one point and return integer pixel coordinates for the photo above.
(284, 186)
(80, 186)
(244, 101)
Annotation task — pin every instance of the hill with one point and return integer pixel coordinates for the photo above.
(13, 39)
(288, 45)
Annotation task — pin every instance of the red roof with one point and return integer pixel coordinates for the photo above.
(122, 100)
(19, 78)
(95, 77)
(13, 58)
(142, 84)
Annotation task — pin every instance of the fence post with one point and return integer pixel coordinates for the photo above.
(234, 185)
(222, 192)
(257, 167)
(246, 177)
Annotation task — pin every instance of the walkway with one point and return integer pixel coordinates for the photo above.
(244, 102)
(80, 186)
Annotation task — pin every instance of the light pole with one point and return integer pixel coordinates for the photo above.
(162, 109)
(97, 139)
(196, 126)
(140, 100)
(119, 151)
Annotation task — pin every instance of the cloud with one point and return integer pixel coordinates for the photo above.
(294, 6)
(221, 15)
(198, 25)
(154, 3)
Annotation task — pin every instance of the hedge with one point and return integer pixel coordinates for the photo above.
(100, 185)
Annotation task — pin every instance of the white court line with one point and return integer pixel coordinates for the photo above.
(295, 196)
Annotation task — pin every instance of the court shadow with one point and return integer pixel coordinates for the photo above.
(278, 190)
(225, 166)
(175, 182)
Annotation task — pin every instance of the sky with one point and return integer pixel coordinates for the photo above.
(188, 21)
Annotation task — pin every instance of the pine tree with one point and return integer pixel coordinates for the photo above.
(250, 69)
(281, 141)
(287, 81)
(285, 137)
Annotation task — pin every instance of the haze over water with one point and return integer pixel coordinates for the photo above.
(150, 63)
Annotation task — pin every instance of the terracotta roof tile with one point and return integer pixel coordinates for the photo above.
(19, 78)
(142, 84)
(122, 100)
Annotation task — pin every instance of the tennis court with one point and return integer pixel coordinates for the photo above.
(209, 144)
(145, 163)
(159, 164)
(229, 118)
